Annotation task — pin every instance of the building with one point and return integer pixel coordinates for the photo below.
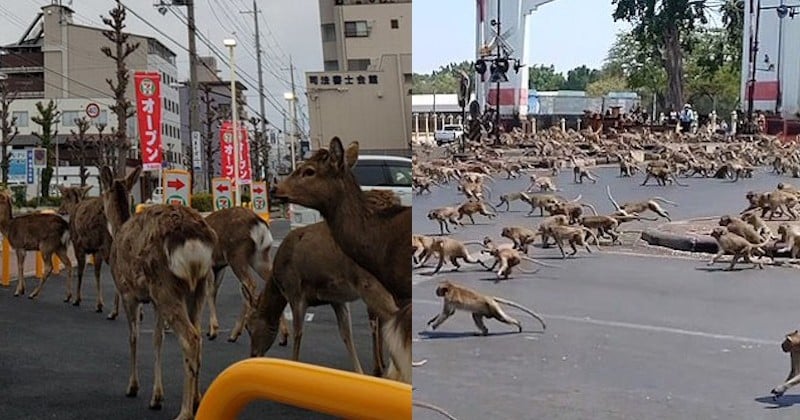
(777, 75)
(214, 106)
(364, 92)
(60, 60)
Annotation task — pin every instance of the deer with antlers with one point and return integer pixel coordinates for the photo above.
(163, 256)
(376, 239)
(44, 232)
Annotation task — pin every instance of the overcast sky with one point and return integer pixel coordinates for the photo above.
(288, 27)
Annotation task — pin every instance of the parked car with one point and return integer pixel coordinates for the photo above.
(448, 134)
(372, 172)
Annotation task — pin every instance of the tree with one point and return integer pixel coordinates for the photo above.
(80, 144)
(209, 139)
(664, 26)
(733, 21)
(46, 119)
(638, 65)
(444, 80)
(712, 72)
(8, 128)
(122, 106)
(259, 150)
(541, 77)
(606, 84)
(105, 148)
(580, 77)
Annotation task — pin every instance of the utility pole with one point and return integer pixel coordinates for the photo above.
(255, 13)
(295, 128)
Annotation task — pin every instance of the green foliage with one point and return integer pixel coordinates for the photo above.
(580, 77)
(19, 194)
(42, 202)
(608, 83)
(46, 119)
(202, 202)
(541, 77)
(444, 81)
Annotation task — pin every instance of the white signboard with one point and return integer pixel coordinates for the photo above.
(222, 192)
(197, 151)
(177, 187)
(259, 197)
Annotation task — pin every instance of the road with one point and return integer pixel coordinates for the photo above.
(62, 362)
(628, 337)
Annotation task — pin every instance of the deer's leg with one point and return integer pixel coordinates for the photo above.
(64, 257)
(132, 314)
(241, 269)
(189, 338)
(20, 272)
(114, 312)
(213, 322)
(283, 331)
(158, 386)
(342, 311)
(48, 269)
(377, 344)
(80, 256)
(98, 266)
(298, 319)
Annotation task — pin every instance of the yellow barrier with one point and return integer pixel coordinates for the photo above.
(335, 392)
(40, 265)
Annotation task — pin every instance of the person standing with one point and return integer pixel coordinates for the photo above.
(686, 119)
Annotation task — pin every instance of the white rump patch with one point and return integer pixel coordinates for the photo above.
(191, 261)
(261, 236)
(65, 238)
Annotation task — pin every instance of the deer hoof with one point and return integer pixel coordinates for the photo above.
(32, 295)
(155, 404)
(211, 336)
(111, 316)
(76, 303)
(133, 390)
(99, 309)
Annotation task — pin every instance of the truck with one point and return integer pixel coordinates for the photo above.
(449, 133)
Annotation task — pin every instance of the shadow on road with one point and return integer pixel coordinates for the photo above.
(435, 335)
(783, 401)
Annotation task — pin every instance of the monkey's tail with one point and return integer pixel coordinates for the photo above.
(576, 199)
(538, 262)
(521, 308)
(664, 200)
(608, 191)
(591, 233)
(434, 408)
(590, 207)
(420, 363)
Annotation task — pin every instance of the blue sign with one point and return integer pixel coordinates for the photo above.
(18, 166)
(29, 162)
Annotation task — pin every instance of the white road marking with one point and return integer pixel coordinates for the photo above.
(644, 327)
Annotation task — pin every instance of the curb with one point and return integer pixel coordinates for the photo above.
(704, 244)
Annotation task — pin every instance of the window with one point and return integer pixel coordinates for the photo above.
(395, 24)
(21, 117)
(408, 78)
(370, 173)
(328, 32)
(400, 173)
(331, 65)
(360, 64)
(102, 118)
(68, 118)
(356, 29)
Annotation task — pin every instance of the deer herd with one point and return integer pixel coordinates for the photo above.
(172, 257)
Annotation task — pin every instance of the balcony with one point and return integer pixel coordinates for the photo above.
(22, 62)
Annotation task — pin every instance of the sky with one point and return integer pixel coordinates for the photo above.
(564, 33)
(286, 26)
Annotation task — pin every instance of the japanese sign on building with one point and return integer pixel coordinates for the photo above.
(227, 151)
(343, 79)
(148, 111)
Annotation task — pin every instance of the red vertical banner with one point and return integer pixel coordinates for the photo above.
(226, 150)
(148, 114)
(245, 171)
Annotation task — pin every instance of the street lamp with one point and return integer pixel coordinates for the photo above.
(289, 96)
(231, 44)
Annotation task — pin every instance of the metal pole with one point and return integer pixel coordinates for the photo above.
(194, 114)
(497, 95)
(291, 144)
(295, 127)
(260, 76)
(779, 99)
(235, 115)
(753, 61)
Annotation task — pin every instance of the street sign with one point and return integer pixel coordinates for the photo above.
(18, 166)
(29, 170)
(260, 197)
(39, 157)
(93, 110)
(177, 187)
(197, 151)
(222, 192)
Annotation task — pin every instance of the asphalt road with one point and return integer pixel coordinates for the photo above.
(62, 362)
(628, 337)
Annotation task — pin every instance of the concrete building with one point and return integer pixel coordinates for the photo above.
(364, 92)
(60, 60)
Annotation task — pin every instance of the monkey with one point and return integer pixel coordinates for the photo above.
(604, 225)
(452, 250)
(542, 183)
(458, 297)
(579, 173)
(423, 243)
(779, 200)
(573, 210)
(756, 200)
(510, 197)
(422, 184)
(662, 176)
(788, 188)
(738, 246)
(540, 201)
(513, 170)
(574, 235)
(444, 215)
(508, 258)
(521, 236)
(471, 207)
(633, 208)
(473, 191)
(626, 167)
(488, 244)
(791, 345)
(790, 236)
(731, 168)
(741, 228)
(754, 220)
(549, 222)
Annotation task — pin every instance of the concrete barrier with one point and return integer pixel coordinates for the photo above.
(704, 244)
(334, 392)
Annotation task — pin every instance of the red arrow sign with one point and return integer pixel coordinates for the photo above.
(222, 188)
(258, 190)
(176, 184)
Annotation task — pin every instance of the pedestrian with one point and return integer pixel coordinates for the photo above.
(686, 118)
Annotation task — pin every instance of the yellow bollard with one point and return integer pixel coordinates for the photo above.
(91, 259)
(39, 265)
(6, 280)
(335, 392)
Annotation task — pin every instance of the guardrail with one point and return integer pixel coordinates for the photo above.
(334, 392)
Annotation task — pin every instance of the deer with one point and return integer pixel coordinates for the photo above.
(310, 270)
(376, 239)
(244, 243)
(44, 232)
(164, 256)
(90, 236)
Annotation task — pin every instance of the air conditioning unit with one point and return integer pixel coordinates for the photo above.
(339, 2)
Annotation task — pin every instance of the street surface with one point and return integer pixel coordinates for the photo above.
(628, 336)
(63, 362)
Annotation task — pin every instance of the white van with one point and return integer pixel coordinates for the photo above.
(372, 172)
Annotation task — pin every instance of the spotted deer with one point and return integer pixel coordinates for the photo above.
(163, 256)
(376, 239)
(44, 232)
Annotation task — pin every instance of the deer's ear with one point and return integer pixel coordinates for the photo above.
(131, 179)
(352, 154)
(85, 190)
(337, 153)
(106, 177)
